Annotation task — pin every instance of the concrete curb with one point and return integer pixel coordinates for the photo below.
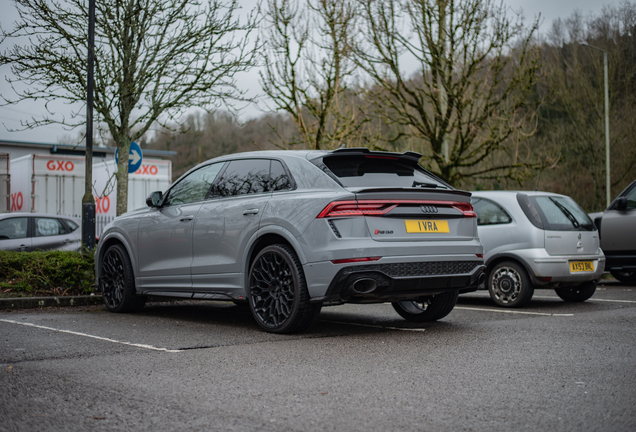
(42, 302)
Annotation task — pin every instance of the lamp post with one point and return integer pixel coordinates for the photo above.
(607, 137)
(88, 201)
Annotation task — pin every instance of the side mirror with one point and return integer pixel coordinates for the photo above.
(621, 203)
(154, 199)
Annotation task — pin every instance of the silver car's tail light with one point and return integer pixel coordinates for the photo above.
(380, 207)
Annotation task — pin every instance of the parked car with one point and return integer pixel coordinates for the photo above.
(617, 229)
(537, 240)
(39, 232)
(289, 232)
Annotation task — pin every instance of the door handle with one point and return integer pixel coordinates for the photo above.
(250, 212)
(67, 240)
(187, 218)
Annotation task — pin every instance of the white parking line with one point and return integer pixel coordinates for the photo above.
(512, 311)
(374, 326)
(590, 300)
(150, 347)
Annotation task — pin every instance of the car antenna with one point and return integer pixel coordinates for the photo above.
(536, 188)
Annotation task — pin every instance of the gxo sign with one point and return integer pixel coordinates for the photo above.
(148, 169)
(17, 200)
(60, 165)
(102, 205)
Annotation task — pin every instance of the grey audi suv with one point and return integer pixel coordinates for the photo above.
(288, 232)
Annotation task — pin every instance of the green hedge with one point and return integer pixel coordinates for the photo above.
(46, 273)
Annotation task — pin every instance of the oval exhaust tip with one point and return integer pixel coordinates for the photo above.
(364, 286)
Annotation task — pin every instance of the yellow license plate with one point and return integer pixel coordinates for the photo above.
(426, 226)
(582, 266)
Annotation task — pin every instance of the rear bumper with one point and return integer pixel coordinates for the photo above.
(620, 262)
(557, 268)
(398, 278)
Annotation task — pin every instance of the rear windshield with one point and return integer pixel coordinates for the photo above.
(378, 171)
(555, 213)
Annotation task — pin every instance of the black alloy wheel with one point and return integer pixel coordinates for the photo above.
(117, 281)
(425, 309)
(626, 277)
(578, 293)
(278, 295)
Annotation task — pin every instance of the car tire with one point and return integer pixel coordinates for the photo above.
(627, 277)
(277, 292)
(117, 281)
(578, 293)
(425, 309)
(509, 285)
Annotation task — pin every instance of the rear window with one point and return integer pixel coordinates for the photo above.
(555, 213)
(379, 171)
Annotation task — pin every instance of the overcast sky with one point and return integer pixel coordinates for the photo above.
(10, 116)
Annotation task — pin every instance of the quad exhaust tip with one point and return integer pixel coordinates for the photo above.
(364, 286)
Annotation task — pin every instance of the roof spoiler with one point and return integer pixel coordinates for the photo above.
(363, 151)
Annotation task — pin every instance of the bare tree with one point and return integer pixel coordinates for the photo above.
(153, 60)
(456, 77)
(308, 70)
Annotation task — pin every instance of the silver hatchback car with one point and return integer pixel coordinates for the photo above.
(288, 232)
(537, 240)
(27, 232)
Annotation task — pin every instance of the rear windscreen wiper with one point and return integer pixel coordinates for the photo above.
(567, 213)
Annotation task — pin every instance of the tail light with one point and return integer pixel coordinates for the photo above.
(380, 208)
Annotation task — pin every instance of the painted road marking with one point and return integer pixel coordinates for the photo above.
(150, 347)
(374, 326)
(512, 311)
(590, 300)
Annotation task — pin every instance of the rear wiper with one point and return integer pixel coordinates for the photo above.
(566, 212)
(421, 184)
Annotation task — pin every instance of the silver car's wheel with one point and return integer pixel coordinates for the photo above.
(278, 294)
(117, 281)
(509, 285)
(431, 308)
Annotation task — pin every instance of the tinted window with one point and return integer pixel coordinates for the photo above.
(489, 213)
(631, 199)
(379, 171)
(530, 210)
(279, 179)
(195, 186)
(13, 228)
(45, 227)
(242, 177)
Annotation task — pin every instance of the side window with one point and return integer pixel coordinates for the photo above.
(195, 186)
(489, 213)
(631, 199)
(279, 179)
(242, 177)
(72, 225)
(13, 228)
(45, 227)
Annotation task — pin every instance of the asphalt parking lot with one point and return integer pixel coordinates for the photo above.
(207, 366)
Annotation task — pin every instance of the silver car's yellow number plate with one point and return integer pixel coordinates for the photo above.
(426, 226)
(582, 266)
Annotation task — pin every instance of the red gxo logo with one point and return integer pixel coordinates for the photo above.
(61, 165)
(16, 201)
(148, 169)
(102, 205)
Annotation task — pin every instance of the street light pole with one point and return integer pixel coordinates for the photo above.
(607, 130)
(88, 201)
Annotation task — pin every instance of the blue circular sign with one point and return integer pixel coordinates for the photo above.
(134, 157)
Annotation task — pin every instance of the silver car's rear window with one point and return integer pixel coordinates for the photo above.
(555, 213)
